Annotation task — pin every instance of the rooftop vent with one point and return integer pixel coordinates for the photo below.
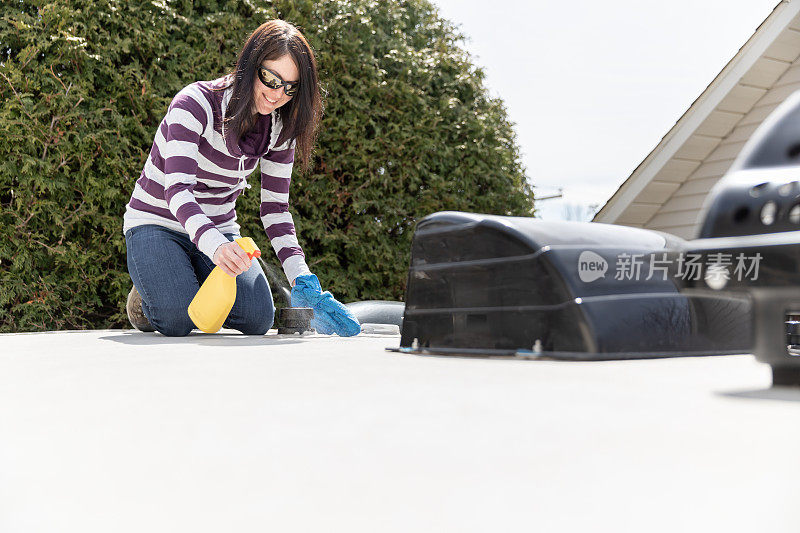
(515, 286)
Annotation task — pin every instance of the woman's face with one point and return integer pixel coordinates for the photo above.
(268, 100)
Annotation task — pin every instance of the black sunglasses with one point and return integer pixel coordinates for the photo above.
(273, 81)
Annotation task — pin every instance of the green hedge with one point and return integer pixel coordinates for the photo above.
(409, 129)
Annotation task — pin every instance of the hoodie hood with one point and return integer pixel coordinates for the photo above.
(256, 142)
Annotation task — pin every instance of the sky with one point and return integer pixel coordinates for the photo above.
(592, 87)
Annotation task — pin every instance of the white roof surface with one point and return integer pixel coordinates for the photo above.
(121, 431)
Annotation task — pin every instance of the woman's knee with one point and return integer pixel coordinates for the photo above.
(257, 329)
(259, 321)
(258, 314)
(171, 322)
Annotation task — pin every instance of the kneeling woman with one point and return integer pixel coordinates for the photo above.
(181, 219)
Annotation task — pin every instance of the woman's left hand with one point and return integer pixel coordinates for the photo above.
(330, 315)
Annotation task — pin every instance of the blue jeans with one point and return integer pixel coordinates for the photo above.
(168, 269)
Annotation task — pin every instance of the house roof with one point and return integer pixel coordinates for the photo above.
(667, 189)
(117, 430)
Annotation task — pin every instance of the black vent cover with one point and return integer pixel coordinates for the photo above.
(494, 285)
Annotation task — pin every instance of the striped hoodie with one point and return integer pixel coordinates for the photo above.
(193, 176)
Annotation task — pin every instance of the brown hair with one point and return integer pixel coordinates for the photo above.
(300, 115)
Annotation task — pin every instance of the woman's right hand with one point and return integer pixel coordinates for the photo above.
(231, 259)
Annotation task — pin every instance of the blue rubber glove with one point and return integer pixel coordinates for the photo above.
(330, 316)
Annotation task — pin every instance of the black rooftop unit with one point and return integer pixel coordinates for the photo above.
(516, 286)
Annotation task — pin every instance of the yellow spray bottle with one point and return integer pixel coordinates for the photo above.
(213, 302)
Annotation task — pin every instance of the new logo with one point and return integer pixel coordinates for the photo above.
(591, 266)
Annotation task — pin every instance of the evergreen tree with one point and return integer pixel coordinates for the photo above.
(409, 129)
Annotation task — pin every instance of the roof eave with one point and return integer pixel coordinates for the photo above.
(701, 108)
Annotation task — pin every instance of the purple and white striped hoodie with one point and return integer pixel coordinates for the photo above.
(193, 176)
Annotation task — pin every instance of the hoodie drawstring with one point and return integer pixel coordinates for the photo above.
(241, 168)
(241, 159)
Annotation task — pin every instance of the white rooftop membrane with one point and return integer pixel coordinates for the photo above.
(125, 431)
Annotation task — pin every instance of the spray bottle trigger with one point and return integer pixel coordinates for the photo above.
(249, 246)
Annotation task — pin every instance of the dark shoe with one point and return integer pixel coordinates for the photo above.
(135, 313)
